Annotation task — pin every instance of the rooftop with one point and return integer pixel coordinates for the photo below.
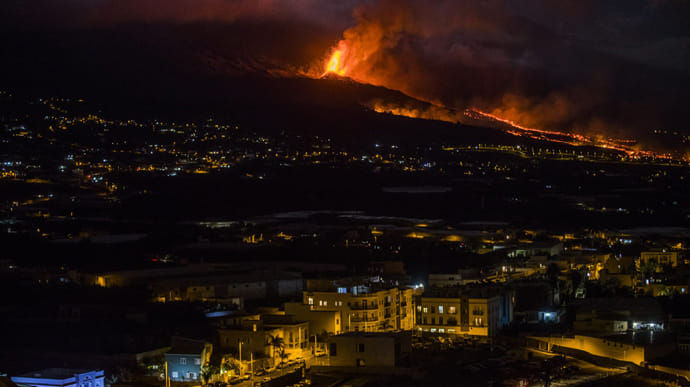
(181, 345)
(53, 373)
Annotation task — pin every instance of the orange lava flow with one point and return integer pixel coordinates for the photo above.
(514, 128)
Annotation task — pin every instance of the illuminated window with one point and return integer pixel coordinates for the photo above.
(183, 360)
(451, 309)
(197, 361)
(175, 374)
(419, 308)
(325, 303)
(440, 309)
(426, 310)
(311, 301)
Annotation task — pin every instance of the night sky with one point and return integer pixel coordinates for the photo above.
(599, 67)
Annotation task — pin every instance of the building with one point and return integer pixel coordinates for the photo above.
(360, 349)
(548, 249)
(321, 322)
(256, 334)
(480, 310)
(612, 315)
(220, 283)
(450, 279)
(295, 333)
(618, 271)
(185, 358)
(371, 307)
(662, 257)
(533, 299)
(636, 349)
(61, 377)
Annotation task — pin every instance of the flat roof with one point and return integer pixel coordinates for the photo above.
(53, 373)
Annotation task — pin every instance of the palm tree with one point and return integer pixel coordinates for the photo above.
(207, 371)
(276, 342)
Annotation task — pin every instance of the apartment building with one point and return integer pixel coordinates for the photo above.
(363, 307)
(472, 310)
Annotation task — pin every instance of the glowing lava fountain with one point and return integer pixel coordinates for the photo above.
(335, 65)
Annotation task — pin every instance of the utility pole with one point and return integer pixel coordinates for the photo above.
(240, 358)
(167, 381)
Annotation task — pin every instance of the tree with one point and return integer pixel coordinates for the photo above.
(230, 365)
(155, 366)
(207, 371)
(276, 342)
(647, 269)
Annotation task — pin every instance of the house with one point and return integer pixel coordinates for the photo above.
(369, 349)
(185, 358)
(255, 334)
(61, 377)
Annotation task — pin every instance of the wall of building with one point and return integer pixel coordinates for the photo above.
(319, 321)
(473, 316)
(84, 379)
(183, 367)
(252, 341)
(381, 311)
(597, 346)
(290, 287)
(360, 351)
(661, 257)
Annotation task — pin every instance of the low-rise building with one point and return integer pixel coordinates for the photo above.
(360, 349)
(606, 316)
(61, 377)
(662, 257)
(185, 358)
(258, 335)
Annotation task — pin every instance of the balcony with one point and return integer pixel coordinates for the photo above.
(363, 319)
(364, 306)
